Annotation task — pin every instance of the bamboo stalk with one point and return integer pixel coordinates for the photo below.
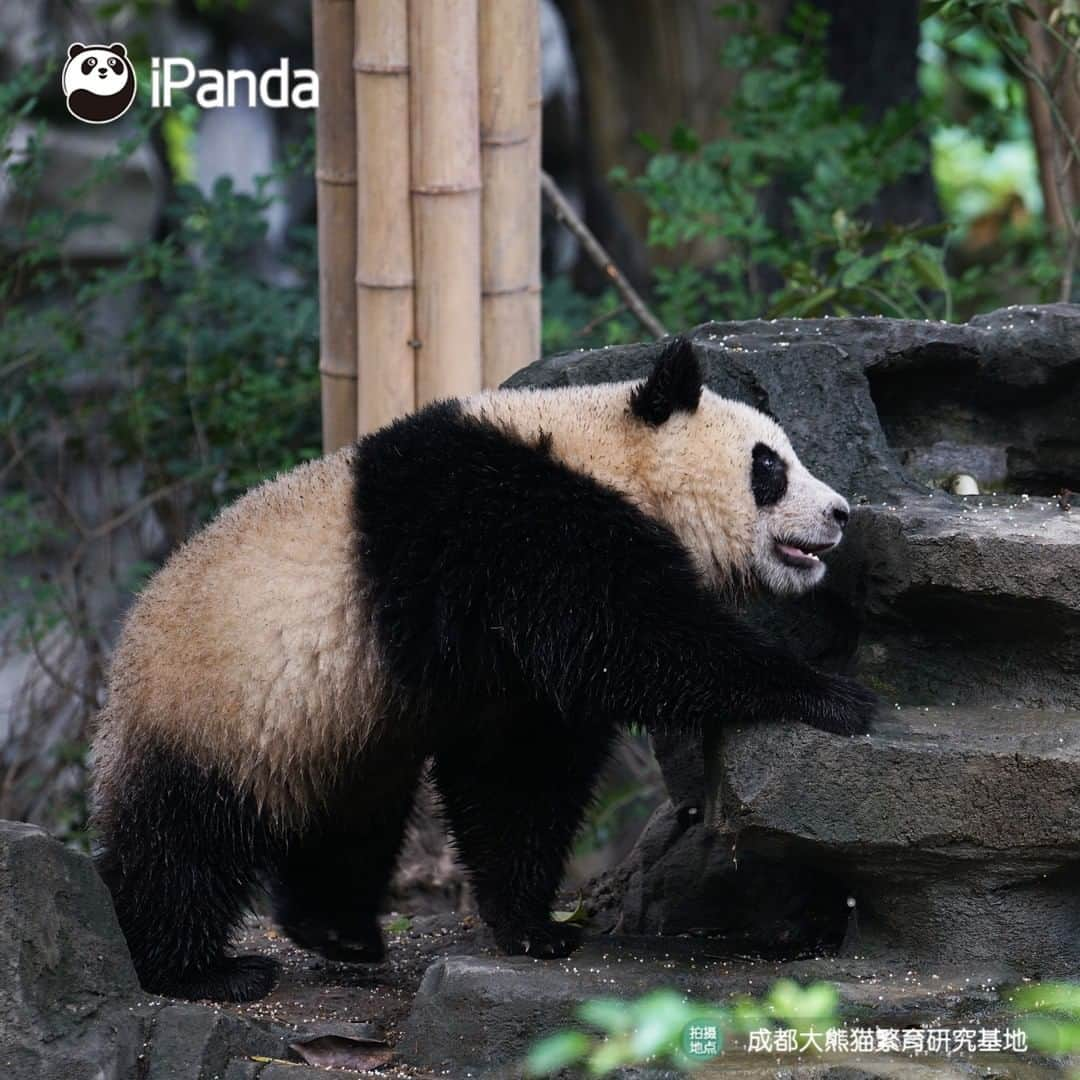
(386, 362)
(445, 196)
(509, 65)
(335, 179)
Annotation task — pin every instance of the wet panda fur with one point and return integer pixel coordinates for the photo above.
(498, 584)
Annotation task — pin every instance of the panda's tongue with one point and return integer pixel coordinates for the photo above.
(796, 554)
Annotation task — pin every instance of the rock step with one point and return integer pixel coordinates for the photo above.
(478, 1015)
(955, 832)
(990, 547)
(957, 781)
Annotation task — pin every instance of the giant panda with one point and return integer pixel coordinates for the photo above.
(497, 584)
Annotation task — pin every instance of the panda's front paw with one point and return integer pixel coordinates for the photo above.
(546, 940)
(842, 707)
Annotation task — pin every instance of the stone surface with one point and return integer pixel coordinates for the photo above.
(130, 204)
(973, 601)
(955, 831)
(477, 1015)
(194, 1042)
(857, 394)
(959, 821)
(66, 980)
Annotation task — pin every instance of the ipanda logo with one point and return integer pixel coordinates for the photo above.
(99, 83)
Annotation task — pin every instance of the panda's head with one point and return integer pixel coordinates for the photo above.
(99, 82)
(725, 478)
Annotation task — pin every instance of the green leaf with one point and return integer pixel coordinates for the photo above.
(684, 139)
(928, 270)
(557, 1052)
(576, 917)
(608, 1014)
(814, 304)
(860, 270)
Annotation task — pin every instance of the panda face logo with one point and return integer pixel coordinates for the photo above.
(99, 82)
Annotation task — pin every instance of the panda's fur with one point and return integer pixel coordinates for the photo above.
(99, 82)
(497, 584)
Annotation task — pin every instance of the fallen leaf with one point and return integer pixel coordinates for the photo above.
(578, 917)
(343, 1052)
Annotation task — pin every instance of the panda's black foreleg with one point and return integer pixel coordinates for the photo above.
(330, 880)
(181, 849)
(515, 795)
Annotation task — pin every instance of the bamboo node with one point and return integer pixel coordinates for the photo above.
(446, 189)
(372, 283)
(510, 290)
(364, 68)
(341, 177)
(504, 140)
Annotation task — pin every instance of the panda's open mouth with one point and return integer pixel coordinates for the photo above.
(800, 554)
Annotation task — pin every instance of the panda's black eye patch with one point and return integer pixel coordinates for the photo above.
(768, 476)
(114, 64)
(88, 65)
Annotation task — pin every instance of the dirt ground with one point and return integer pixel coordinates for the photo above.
(317, 996)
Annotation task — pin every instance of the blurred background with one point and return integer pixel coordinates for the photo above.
(158, 304)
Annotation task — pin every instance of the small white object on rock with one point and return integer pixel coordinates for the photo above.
(964, 484)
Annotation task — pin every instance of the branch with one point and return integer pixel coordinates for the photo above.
(595, 250)
(96, 532)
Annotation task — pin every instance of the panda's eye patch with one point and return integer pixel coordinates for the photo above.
(768, 476)
(114, 63)
(88, 65)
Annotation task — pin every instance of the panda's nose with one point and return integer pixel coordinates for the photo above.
(841, 514)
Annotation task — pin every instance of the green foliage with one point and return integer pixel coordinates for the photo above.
(796, 147)
(182, 367)
(983, 156)
(656, 1028)
(573, 320)
(1050, 1014)
(991, 31)
(998, 18)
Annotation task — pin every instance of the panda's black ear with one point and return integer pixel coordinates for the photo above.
(673, 386)
(119, 49)
(75, 48)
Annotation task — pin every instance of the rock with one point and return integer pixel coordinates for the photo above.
(66, 981)
(196, 1042)
(243, 1070)
(969, 607)
(70, 1004)
(287, 1071)
(691, 880)
(948, 602)
(953, 829)
(130, 203)
(478, 1015)
(854, 394)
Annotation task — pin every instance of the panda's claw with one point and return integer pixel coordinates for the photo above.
(545, 941)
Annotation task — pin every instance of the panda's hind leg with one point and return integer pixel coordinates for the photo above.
(330, 880)
(180, 851)
(515, 791)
